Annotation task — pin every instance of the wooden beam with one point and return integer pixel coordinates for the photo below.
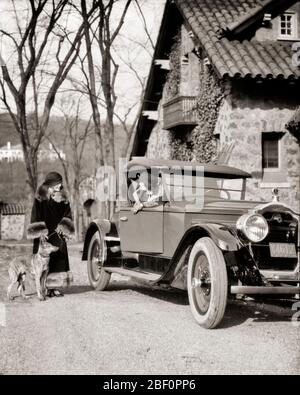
(164, 64)
(151, 115)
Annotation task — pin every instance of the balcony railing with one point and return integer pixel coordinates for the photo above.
(179, 112)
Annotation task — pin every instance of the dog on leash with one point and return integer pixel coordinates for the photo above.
(17, 274)
(39, 264)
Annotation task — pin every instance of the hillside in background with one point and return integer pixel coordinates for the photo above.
(7, 131)
(13, 177)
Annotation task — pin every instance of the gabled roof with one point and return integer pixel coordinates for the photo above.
(217, 25)
(258, 11)
(233, 57)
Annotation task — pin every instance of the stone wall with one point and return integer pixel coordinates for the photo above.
(12, 227)
(244, 116)
(190, 66)
(159, 145)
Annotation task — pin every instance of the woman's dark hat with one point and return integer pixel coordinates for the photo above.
(53, 179)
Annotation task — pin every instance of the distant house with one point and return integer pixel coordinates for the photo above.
(223, 86)
(15, 153)
(11, 153)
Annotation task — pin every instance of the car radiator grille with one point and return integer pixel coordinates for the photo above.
(282, 230)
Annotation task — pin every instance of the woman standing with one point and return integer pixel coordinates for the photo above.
(52, 208)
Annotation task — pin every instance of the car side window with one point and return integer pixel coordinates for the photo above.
(145, 189)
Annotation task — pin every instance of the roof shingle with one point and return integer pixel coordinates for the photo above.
(233, 58)
(12, 209)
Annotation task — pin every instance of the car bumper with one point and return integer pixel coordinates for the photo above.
(281, 276)
(265, 290)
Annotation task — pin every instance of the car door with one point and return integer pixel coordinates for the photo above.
(142, 232)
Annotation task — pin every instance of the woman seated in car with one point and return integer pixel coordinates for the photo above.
(144, 197)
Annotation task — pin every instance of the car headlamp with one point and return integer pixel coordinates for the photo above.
(254, 227)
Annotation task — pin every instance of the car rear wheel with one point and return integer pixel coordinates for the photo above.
(98, 277)
(207, 283)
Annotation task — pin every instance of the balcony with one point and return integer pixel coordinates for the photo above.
(180, 112)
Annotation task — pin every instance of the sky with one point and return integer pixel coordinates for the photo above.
(128, 49)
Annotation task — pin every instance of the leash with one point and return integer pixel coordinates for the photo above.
(55, 232)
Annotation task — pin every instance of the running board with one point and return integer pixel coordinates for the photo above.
(152, 277)
(240, 290)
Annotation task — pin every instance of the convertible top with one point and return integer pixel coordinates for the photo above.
(209, 169)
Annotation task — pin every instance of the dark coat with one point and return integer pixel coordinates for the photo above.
(53, 214)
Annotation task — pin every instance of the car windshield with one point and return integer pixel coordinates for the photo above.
(189, 187)
(165, 185)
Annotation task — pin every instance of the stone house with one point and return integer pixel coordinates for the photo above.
(15, 153)
(223, 86)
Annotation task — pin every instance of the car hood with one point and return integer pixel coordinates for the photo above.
(236, 207)
(239, 207)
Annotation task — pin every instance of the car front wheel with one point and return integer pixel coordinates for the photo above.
(98, 277)
(207, 283)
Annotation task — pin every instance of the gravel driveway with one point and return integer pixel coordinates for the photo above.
(134, 329)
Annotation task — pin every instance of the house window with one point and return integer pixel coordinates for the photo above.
(270, 149)
(288, 26)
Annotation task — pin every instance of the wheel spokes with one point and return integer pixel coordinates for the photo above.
(201, 284)
(96, 261)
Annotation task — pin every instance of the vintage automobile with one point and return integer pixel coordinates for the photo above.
(211, 242)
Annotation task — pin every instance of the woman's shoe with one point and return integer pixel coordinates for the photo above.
(50, 293)
(57, 293)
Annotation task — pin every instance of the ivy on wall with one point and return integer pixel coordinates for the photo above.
(172, 86)
(294, 125)
(201, 144)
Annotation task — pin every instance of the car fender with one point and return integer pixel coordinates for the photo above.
(222, 236)
(101, 226)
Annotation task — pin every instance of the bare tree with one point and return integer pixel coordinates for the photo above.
(100, 80)
(43, 46)
(77, 136)
(104, 35)
(138, 5)
(127, 121)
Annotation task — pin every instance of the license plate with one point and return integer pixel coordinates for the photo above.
(283, 250)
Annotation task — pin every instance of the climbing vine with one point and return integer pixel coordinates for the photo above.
(201, 144)
(172, 86)
(294, 125)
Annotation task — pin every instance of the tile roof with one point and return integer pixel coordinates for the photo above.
(12, 209)
(233, 58)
